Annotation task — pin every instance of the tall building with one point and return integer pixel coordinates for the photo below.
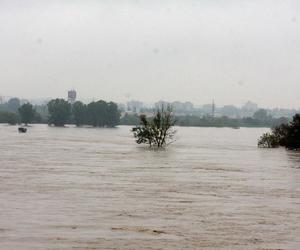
(72, 96)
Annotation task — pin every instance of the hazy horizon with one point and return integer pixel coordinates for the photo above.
(231, 51)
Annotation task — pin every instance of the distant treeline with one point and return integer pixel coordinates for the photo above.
(12, 105)
(106, 114)
(260, 119)
(13, 112)
(9, 117)
(224, 121)
(59, 112)
(96, 114)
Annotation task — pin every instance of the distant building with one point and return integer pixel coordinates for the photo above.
(207, 108)
(72, 96)
(250, 106)
(188, 106)
(249, 109)
(183, 107)
(230, 111)
(134, 106)
(161, 104)
(211, 110)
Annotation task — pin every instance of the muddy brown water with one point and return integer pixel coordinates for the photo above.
(86, 188)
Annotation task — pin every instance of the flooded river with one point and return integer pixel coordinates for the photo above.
(86, 188)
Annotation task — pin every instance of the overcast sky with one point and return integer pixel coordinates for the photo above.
(229, 50)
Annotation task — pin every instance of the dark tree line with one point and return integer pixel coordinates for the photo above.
(9, 111)
(19, 114)
(59, 112)
(9, 117)
(286, 135)
(129, 119)
(12, 105)
(96, 114)
(27, 113)
(208, 121)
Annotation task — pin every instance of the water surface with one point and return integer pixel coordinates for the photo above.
(88, 188)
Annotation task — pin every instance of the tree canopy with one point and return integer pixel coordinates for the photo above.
(102, 114)
(9, 117)
(157, 131)
(97, 114)
(79, 113)
(59, 112)
(287, 135)
(261, 115)
(27, 113)
(13, 104)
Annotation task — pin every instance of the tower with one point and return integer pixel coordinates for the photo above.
(72, 96)
(213, 107)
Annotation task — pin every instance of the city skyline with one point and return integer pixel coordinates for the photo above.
(143, 104)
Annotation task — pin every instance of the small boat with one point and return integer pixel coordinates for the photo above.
(22, 130)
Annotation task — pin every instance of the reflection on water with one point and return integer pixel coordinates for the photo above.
(87, 188)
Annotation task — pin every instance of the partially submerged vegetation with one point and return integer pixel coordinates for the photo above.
(9, 117)
(59, 112)
(27, 113)
(24, 114)
(157, 131)
(259, 119)
(285, 135)
(96, 114)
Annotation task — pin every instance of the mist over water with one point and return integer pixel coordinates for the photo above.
(88, 188)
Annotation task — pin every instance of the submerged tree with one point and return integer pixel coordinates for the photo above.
(27, 113)
(280, 132)
(96, 113)
(9, 117)
(59, 112)
(293, 134)
(102, 114)
(287, 135)
(157, 131)
(268, 140)
(112, 115)
(79, 113)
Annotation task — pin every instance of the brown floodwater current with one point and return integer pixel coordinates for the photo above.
(88, 188)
